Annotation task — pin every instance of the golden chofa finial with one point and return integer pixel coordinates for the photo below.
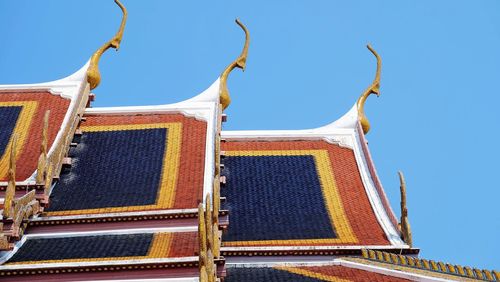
(374, 88)
(240, 62)
(93, 75)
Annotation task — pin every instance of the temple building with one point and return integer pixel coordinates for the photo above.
(163, 193)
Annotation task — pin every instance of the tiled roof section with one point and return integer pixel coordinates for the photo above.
(108, 163)
(426, 267)
(22, 114)
(106, 247)
(306, 274)
(280, 193)
(279, 180)
(133, 163)
(83, 247)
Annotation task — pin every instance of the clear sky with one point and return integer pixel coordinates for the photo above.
(436, 118)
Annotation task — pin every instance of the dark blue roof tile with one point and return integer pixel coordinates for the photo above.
(80, 247)
(275, 198)
(112, 169)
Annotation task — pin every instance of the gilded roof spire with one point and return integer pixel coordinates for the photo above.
(93, 75)
(374, 88)
(240, 62)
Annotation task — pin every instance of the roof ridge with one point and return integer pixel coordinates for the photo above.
(431, 265)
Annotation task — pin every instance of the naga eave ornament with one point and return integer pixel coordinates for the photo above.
(240, 62)
(93, 74)
(374, 88)
(405, 224)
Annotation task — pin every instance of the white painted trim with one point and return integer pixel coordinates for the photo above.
(199, 111)
(373, 196)
(25, 182)
(173, 229)
(348, 120)
(339, 132)
(99, 263)
(339, 136)
(313, 248)
(118, 214)
(65, 87)
(199, 107)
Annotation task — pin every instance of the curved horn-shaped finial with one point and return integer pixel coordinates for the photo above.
(93, 74)
(374, 88)
(240, 62)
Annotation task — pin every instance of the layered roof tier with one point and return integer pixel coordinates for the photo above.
(305, 191)
(296, 193)
(104, 246)
(121, 254)
(124, 163)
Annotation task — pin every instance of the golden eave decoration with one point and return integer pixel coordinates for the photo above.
(374, 88)
(93, 74)
(404, 224)
(240, 62)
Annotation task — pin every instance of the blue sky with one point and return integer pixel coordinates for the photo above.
(436, 118)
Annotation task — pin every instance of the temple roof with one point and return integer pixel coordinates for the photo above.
(146, 192)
